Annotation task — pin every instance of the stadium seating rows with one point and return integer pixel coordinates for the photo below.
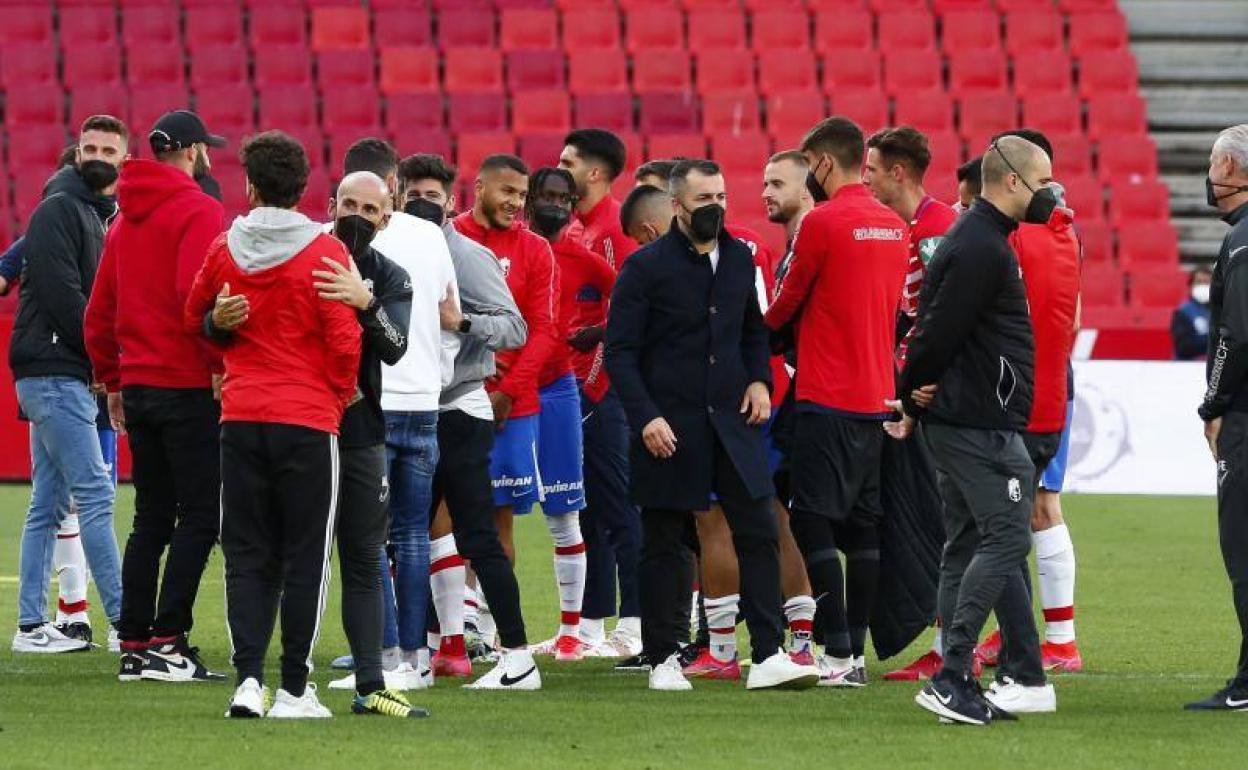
(736, 79)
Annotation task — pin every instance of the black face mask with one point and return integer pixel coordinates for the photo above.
(1211, 193)
(355, 232)
(549, 220)
(1043, 202)
(815, 187)
(426, 209)
(97, 174)
(705, 222)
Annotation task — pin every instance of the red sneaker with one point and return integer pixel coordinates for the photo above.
(451, 665)
(569, 648)
(925, 667)
(990, 650)
(1062, 657)
(803, 658)
(707, 667)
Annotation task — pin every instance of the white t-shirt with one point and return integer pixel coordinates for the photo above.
(474, 403)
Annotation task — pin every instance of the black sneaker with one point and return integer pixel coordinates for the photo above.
(132, 664)
(177, 661)
(690, 653)
(1233, 697)
(80, 631)
(956, 699)
(478, 650)
(638, 663)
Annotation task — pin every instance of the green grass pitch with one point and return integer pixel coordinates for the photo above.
(1154, 622)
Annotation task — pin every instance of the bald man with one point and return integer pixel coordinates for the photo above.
(969, 377)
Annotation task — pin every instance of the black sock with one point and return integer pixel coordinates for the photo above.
(862, 580)
(814, 536)
(368, 688)
(26, 629)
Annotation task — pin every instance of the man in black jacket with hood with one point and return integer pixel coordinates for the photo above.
(969, 374)
(54, 382)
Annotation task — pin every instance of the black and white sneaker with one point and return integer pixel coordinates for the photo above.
(690, 653)
(80, 631)
(955, 699)
(639, 663)
(1233, 697)
(177, 662)
(132, 664)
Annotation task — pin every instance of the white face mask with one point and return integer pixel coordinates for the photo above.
(1200, 293)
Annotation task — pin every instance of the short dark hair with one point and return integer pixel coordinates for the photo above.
(637, 197)
(661, 168)
(972, 172)
(793, 156)
(546, 172)
(503, 161)
(1198, 270)
(425, 165)
(598, 144)
(371, 154)
(277, 166)
(682, 169)
(905, 145)
(68, 156)
(1033, 136)
(839, 137)
(106, 123)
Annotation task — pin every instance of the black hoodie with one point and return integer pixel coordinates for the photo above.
(62, 249)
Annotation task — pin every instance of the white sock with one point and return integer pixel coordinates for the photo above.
(446, 579)
(593, 631)
(485, 621)
(569, 569)
(721, 621)
(70, 565)
(391, 657)
(631, 626)
(1055, 564)
(799, 614)
(433, 639)
(938, 642)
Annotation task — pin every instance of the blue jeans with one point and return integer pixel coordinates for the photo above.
(412, 454)
(65, 461)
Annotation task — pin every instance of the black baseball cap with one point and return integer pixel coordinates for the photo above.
(180, 129)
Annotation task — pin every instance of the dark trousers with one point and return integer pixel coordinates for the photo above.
(986, 480)
(279, 505)
(362, 523)
(174, 440)
(1233, 522)
(463, 479)
(667, 567)
(610, 523)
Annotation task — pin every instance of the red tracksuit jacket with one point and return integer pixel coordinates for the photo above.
(585, 283)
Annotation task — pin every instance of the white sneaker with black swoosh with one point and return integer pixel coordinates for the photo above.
(515, 671)
(45, 639)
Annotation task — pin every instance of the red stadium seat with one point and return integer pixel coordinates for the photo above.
(1100, 285)
(1133, 202)
(88, 26)
(1126, 158)
(471, 149)
(974, 73)
(406, 112)
(27, 25)
(28, 192)
(406, 70)
(473, 69)
(1056, 113)
(1111, 114)
(214, 26)
(658, 28)
(741, 153)
(535, 71)
(1097, 239)
(781, 29)
(152, 25)
(288, 108)
(154, 63)
(571, 5)
(148, 103)
(335, 29)
(828, 5)
(790, 115)
(725, 71)
(1072, 154)
(1033, 31)
(860, 72)
(757, 5)
(1077, 6)
(287, 65)
(1112, 71)
(233, 183)
(351, 109)
(790, 71)
(675, 145)
(1041, 72)
(907, 31)
(1157, 286)
(28, 65)
(925, 110)
(988, 112)
(668, 113)
(411, 140)
(541, 112)
(466, 28)
(844, 32)
(597, 72)
(93, 65)
(477, 112)
(890, 6)
(661, 70)
(612, 111)
(1097, 31)
(529, 28)
(717, 29)
(36, 147)
(402, 27)
(1085, 196)
(341, 140)
(228, 110)
(591, 29)
(967, 30)
(345, 69)
(538, 150)
(727, 113)
(268, 29)
(869, 109)
(946, 7)
(912, 71)
(98, 99)
(315, 201)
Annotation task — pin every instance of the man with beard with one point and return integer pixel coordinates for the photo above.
(53, 378)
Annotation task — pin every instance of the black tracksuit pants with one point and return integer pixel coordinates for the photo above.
(1233, 522)
(463, 479)
(363, 521)
(174, 440)
(279, 505)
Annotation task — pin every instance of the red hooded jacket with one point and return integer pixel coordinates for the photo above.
(585, 283)
(133, 324)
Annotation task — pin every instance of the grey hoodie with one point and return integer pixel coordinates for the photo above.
(267, 237)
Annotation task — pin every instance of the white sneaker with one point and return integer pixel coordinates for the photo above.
(779, 671)
(1014, 698)
(46, 639)
(833, 672)
(516, 670)
(403, 677)
(249, 700)
(307, 706)
(622, 643)
(669, 676)
(114, 639)
(544, 648)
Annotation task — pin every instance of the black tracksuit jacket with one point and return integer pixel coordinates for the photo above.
(1227, 365)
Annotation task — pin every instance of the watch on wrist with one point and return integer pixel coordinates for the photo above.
(465, 325)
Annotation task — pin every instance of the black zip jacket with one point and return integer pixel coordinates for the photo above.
(1227, 362)
(973, 335)
(62, 250)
